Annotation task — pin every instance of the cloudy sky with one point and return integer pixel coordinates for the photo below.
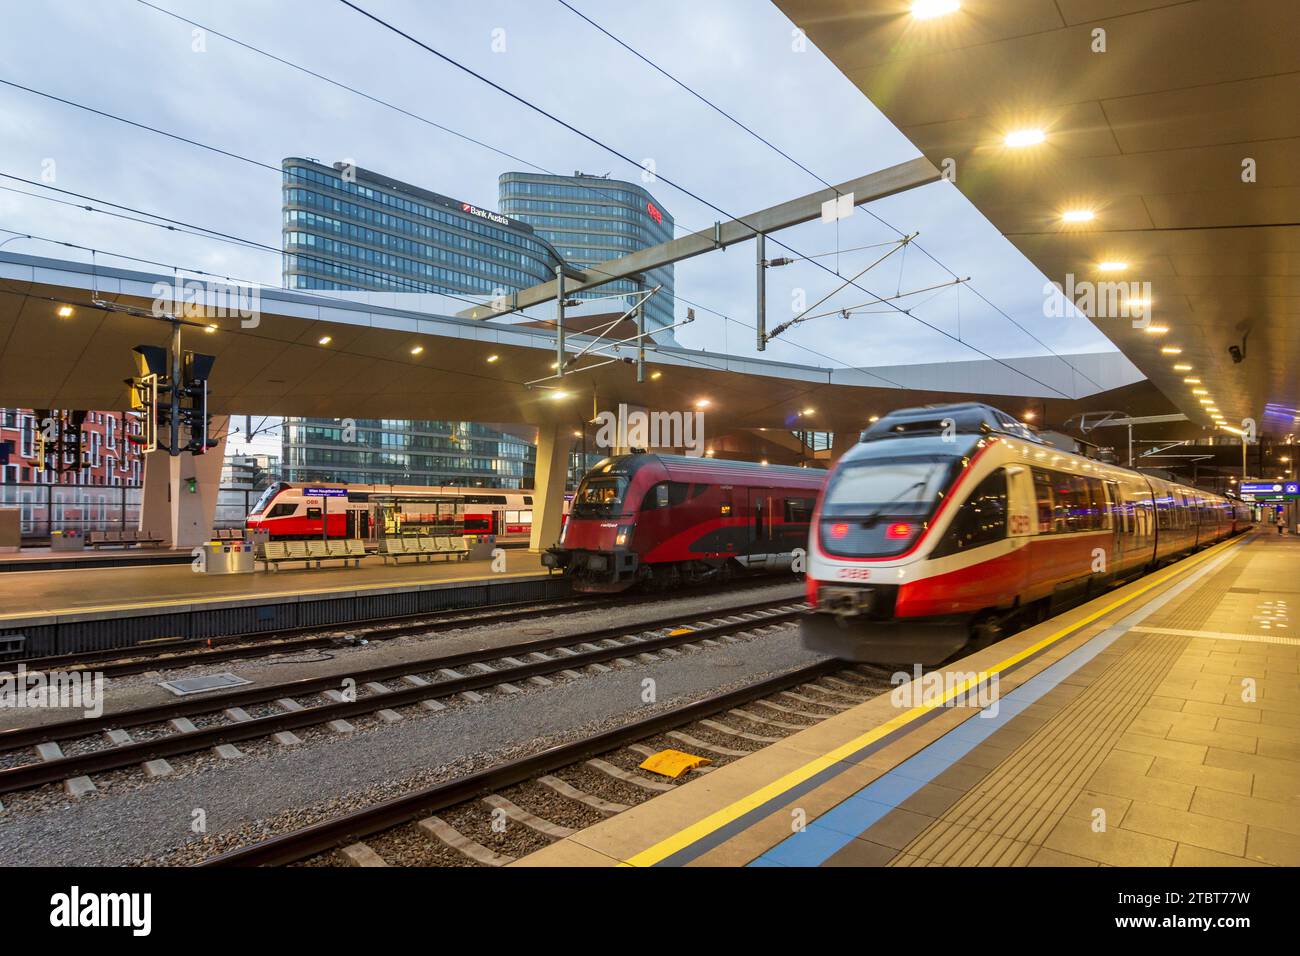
(128, 58)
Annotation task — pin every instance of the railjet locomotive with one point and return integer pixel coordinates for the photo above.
(951, 522)
(670, 519)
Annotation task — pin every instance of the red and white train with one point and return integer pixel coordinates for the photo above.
(670, 519)
(951, 522)
(290, 510)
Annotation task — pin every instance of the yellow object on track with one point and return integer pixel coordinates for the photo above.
(673, 763)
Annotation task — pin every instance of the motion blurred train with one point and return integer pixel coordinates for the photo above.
(950, 523)
(663, 520)
(290, 510)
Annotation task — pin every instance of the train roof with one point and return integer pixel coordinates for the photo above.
(962, 418)
(719, 468)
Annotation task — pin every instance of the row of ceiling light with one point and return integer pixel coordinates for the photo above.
(1034, 136)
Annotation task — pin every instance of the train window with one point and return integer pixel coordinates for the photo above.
(282, 511)
(906, 488)
(981, 519)
(799, 510)
(1100, 510)
(598, 495)
(313, 513)
(267, 495)
(1043, 494)
(666, 494)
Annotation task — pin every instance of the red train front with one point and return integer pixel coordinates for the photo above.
(669, 519)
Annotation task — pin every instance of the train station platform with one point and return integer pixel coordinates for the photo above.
(1158, 725)
(68, 610)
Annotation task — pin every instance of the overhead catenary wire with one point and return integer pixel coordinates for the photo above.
(817, 177)
(683, 189)
(255, 162)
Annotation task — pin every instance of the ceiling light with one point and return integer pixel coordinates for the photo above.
(1171, 350)
(874, 418)
(1078, 215)
(1206, 401)
(210, 329)
(1028, 416)
(65, 311)
(559, 394)
(417, 350)
(809, 411)
(325, 340)
(703, 403)
(1200, 391)
(656, 374)
(1191, 381)
(1112, 266)
(1024, 137)
(1157, 329)
(1182, 367)
(929, 9)
(493, 358)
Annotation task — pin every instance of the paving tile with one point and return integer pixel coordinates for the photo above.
(1165, 793)
(1199, 775)
(1114, 847)
(1048, 857)
(933, 799)
(898, 828)
(1225, 836)
(1231, 711)
(1264, 845)
(1214, 738)
(1160, 747)
(1086, 804)
(1127, 761)
(1251, 810)
(1189, 855)
(862, 853)
(1264, 730)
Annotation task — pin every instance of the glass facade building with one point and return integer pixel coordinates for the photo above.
(349, 228)
(592, 219)
(401, 452)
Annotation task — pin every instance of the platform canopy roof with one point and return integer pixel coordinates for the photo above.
(351, 355)
(1174, 122)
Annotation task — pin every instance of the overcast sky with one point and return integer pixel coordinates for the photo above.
(122, 57)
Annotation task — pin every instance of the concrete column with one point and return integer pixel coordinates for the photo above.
(842, 441)
(554, 443)
(168, 508)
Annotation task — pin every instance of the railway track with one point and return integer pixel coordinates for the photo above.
(579, 782)
(176, 654)
(105, 744)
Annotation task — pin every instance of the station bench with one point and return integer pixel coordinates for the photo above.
(228, 534)
(347, 550)
(123, 539)
(424, 547)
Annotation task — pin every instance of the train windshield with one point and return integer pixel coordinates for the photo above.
(598, 496)
(894, 487)
(878, 507)
(267, 495)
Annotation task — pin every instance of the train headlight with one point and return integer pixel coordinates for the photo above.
(839, 530)
(624, 533)
(899, 530)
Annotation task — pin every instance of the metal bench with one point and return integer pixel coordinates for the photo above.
(398, 548)
(276, 553)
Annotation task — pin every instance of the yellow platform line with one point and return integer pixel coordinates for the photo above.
(720, 818)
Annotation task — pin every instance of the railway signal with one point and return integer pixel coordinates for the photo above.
(171, 393)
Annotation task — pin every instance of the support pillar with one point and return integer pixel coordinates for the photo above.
(554, 443)
(168, 508)
(842, 441)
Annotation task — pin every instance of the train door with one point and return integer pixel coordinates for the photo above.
(358, 523)
(759, 543)
(1119, 527)
(728, 537)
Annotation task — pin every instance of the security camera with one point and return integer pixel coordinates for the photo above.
(1236, 353)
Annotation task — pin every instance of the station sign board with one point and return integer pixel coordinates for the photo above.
(1289, 489)
(325, 492)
